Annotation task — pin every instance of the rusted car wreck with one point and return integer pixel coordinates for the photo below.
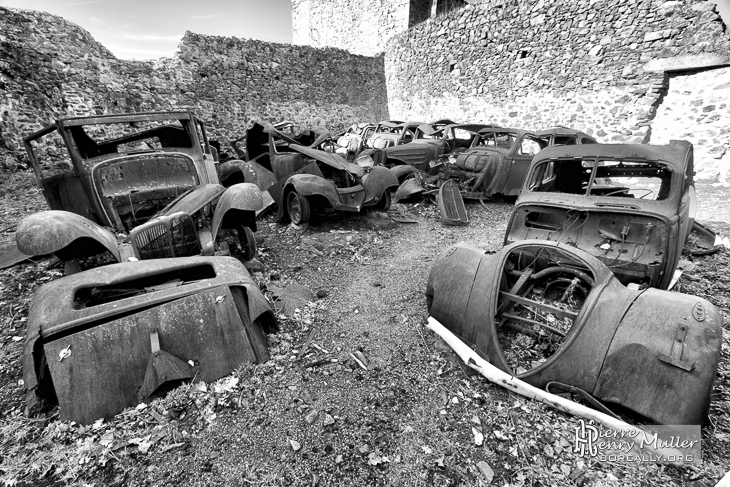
(152, 175)
(107, 338)
(630, 206)
(555, 316)
(309, 174)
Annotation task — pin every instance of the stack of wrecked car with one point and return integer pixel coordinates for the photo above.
(308, 174)
(558, 318)
(151, 176)
(108, 338)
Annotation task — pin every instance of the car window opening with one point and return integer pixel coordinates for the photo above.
(97, 295)
(646, 180)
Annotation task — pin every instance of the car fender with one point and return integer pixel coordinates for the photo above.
(378, 180)
(65, 234)
(308, 185)
(237, 206)
(402, 170)
(235, 172)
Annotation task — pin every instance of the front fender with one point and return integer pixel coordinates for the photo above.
(377, 181)
(68, 235)
(402, 170)
(237, 206)
(307, 185)
(234, 172)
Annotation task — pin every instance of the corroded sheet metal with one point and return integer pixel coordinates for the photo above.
(237, 207)
(194, 200)
(93, 329)
(334, 160)
(451, 205)
(408, 188)
(65, 234)
(651, 351)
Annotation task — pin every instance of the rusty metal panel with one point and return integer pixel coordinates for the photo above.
(651, 351)
(101, 377)
(65, 234)
(94, 329)
(451, 204)
(237, 206)
(665, 352)
(194, 200)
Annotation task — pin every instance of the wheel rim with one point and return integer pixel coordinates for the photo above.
(295, 208)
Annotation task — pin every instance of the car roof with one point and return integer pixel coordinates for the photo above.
(559, 130)
(490, 130)
(675, 153)
(472, 127)
(125, 117)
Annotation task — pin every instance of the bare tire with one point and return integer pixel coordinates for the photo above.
(248, 243)
(297, 206)
(384, 203)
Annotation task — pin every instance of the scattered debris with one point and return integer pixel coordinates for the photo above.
(451, 204)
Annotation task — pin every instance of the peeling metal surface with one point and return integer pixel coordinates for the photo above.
(548, 312)
(629, 205)
(66, 234)
(451, 205)
(205, 310)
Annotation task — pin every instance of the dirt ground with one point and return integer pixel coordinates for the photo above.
(412, 417)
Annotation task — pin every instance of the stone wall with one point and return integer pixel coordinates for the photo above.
(51, 68)
(696, 108)
(357, 26)
(599, 66)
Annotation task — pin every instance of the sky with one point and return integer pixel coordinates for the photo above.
(150, 29)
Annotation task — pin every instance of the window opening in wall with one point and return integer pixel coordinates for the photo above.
(444, 6)
(419, 11)
(451, 67)
(523, 54)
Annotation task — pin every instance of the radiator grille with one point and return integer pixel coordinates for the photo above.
(166, 236)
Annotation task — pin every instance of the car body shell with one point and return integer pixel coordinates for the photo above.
(641, 239)
(326, 179)
(654, 352)
(497, 161)
(93, 337)
(122, 176)
(424, 151)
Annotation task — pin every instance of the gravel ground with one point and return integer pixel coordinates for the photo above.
(321, 419)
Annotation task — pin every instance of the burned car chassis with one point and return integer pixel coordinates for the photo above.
(151, 174)
(547, 312)
(631, 206)
(107, 338)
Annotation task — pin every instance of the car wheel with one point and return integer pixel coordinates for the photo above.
(247, 241)
(297, 206)
(384, 203)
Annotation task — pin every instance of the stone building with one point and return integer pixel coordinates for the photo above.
(622, 70)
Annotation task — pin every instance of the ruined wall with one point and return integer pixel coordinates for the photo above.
(696, 108)
(361, 27)
(599, 66)
(50, 68)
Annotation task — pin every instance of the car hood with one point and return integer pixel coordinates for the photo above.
(333, 160)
